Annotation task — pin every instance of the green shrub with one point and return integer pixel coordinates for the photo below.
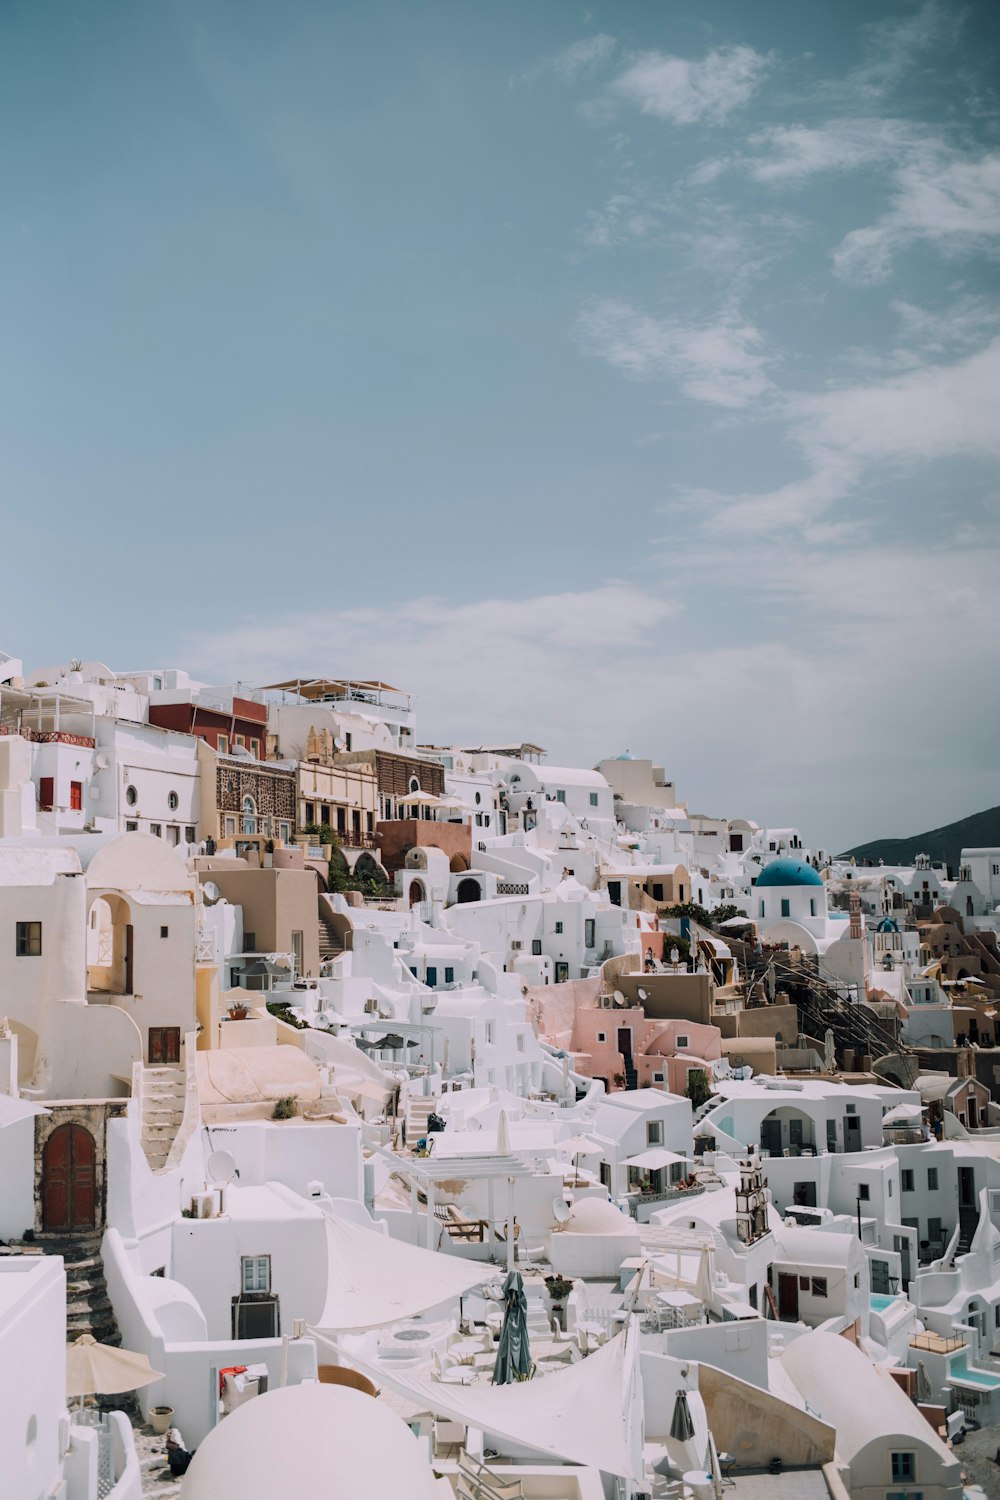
(285, 1109)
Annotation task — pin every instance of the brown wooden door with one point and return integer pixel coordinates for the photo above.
(129, 959)
(164, 1044)
(69, 1179)
(788, 1297)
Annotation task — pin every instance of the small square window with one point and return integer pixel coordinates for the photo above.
(256, 1273)
(819, 1286)
(190, 834)
(156, 829)
(654, 1132)
(449, 976)
(594, 799)
(864, 1192)
(852, 1109)
(131, 826)
(904, 1467)
(28, 940)
(906, 1179)
(803, 1283)
(536, 947)
(560, 796)
(682, 1041)
(602, 1036)
(164, 932)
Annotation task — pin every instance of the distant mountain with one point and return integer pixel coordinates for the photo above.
(979, 830)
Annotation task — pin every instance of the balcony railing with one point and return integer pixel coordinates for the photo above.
(50, 736)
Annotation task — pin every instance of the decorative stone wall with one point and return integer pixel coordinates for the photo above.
(272, 789)
(93, 1115)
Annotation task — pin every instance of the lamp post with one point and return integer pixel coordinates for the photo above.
(859, 1214)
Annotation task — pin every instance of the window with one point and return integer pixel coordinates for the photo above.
(164, 932)
(594, 799)
(324, 815)
(812, 906)
(230, 827)
(256, 1273)
(449, 975)
(657, 890)
(157, 685)
(249, 815)
(786, 907)
(131, 826)
(819, 1286)
(490, 1032)
(173, 801)
(602, 1036)
(536, 947)
(682, 1041)
(173, 835)
(904, 1467)
(371, 822)
(559, 928)
(28, 940)
(932, 1179)
(156, 829)
(190, 834)
(520, 1042)
(560, 795)
(250, 942)
(239, 743)
(131, 796)
(852, 1109)
(76, 796)
(341, 819)
(864, 1192)
(935, 1230)
(590, 933)
(654, 1132)
(760, 907)
(906, 1179)
(223, 744)
(255, 749)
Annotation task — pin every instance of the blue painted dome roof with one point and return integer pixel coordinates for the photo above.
(788, 872)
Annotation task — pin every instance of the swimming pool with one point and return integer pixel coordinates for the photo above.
(881, 1300)
(959, 1370)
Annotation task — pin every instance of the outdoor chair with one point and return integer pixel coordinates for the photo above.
(448, 1438)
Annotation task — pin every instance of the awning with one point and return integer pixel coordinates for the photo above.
(578, 1414)
(13, 1108)
(373, 1279)
(655, 1159)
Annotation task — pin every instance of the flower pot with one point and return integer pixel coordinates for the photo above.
(160, 1418)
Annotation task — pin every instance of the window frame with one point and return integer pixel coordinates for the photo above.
(256, 1264)
(26, 935)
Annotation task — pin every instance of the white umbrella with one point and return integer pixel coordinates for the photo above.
(503, 1134)
(94, 1369)
(580, 1145)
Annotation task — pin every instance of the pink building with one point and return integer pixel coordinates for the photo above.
(628, 1050)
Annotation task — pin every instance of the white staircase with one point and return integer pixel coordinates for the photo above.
(418, 1107)
(162, 1112)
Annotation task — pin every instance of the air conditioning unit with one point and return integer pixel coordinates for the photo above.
(516, 946)
(202, 1205)
(371, 1007)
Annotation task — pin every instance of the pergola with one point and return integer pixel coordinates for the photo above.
(425, 1172)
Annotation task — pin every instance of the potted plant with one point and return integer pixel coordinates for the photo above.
(160, 1418)
(238, 1011)
(558, 1288)
(285, 1108)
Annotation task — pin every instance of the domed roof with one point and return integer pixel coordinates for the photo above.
(598, 1216)
(788, 872)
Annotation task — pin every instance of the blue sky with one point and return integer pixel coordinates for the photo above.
(612, 376)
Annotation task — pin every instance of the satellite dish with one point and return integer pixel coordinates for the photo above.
(221, 1168)
(619, 998)
(561, 1210)
(210, 893)
(338, 743)
(642, 994)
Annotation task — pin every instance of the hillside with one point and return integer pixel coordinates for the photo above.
(979, 830)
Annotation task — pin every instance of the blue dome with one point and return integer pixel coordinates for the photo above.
(788, 872)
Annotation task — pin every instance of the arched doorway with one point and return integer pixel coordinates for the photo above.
(69, 1179)
(110, 946)
(417, 892)
(468, 890)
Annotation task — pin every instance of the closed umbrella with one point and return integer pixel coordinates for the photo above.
(513, 1354)
(924, 1392)
(681, 1425)
(94, 1369)
(503, 1134)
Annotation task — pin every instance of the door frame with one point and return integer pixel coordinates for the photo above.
(788, 1306)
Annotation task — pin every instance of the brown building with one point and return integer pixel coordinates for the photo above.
(280, 908)
(245, 799)
(397, 776)
(226, 725)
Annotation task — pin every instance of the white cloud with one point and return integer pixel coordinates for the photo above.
(685, 90)
(935, 411)
(949, 201)
(718, 362)
(580, 60)
(789, 154)
(495, 667)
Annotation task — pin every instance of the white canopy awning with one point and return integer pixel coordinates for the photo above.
(373, 1279)
(655, 1159)
(579, 1414)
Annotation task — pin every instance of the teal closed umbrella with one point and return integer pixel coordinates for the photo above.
(513, 1355)
(681, 1425)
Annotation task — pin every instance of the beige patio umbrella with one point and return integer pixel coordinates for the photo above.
(94, 1369)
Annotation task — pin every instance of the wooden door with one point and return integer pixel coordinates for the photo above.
(129, 959)
(788, 1297)
(966, 1187)
(164, 1044)
(69, 1179)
